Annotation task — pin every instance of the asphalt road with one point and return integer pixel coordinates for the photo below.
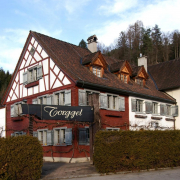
(170, 174)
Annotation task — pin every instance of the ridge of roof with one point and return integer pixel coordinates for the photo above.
(60, 40)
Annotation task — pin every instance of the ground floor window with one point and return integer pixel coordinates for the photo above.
(62, 136)
(84, 136)
(18, 133)
(112, 129)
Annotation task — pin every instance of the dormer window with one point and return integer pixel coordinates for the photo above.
(139, 81)
(97, 71)
(124, 78)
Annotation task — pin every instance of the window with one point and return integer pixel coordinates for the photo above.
(124, 78)
(137, 105)
(18, 133)
(84, 136)
(112, 129)
(168, 111)
(45, 136)
(32, 74)
(42, 136)
(62, 136)
(62, 98)
(155, 125)
(97, 71)
(32, 51)
(84, 96)
(45, 99)
(155, 108)
(139, 81)
(16, 109)
(111, 102)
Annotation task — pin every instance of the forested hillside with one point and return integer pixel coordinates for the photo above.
(4, 81)
(157, 45)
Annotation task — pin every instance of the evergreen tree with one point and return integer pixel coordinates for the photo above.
(4, 81)
(83, 44)
(157, 43)
(147, 46)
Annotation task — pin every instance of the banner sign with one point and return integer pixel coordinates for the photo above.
(56, 112)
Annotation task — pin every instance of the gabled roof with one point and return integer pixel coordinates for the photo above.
(91, 58)
(68, 57)
(138, 71)
(166, 75)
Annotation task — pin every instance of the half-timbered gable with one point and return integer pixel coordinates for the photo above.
(36, 73)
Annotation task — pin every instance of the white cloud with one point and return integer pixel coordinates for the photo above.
(117, 6)
(73, 6)
(12, 42)
(163, 13)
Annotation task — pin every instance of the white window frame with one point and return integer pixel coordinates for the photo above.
(97, 71)
(32, 74)
(16, 109)
(168, 110)
(18, 133)
(139, 103)
(64, 97)
(155, 108)
(43, 100)
(60, 136)
(42, 136)
(83, 99)
(112, 129)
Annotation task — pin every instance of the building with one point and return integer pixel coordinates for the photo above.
(52, 77)
(2, 122)
(166, 78)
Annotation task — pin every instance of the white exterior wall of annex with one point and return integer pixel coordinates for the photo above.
(145, 123)
(3, 121)
(175, 93)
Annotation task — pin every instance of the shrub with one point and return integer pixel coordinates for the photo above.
(136, 150)
(21, 158)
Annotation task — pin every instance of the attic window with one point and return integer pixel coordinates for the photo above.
(124, 78)
(97, 71)
(32, 51)
(139, 81)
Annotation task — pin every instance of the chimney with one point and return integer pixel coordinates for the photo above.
(142, 60)
(92, 43)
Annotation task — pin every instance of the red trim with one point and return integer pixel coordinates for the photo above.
(32, 84)
(17, 118)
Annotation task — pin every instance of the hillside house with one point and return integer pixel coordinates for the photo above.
(55, 77)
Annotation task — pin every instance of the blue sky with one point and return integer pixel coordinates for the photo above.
(73, 20)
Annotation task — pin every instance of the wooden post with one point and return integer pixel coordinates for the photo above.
(95, 126)
(30, 125)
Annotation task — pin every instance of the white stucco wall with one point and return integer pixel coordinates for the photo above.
(176, 94)
(145, 123)
(3, 120)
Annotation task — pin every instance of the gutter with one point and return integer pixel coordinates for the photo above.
(120, 91)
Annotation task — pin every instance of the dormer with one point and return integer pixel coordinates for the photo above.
(122, 70)
(140, 75)
(96, 63)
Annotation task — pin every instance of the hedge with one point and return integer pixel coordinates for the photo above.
(21, 158)
(136, 150)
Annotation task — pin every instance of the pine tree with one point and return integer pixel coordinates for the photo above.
(83, 44)
(4, 81)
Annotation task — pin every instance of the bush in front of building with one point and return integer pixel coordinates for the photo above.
(21, 158)
(136, 150)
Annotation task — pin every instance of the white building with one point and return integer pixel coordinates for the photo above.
(2, 122)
